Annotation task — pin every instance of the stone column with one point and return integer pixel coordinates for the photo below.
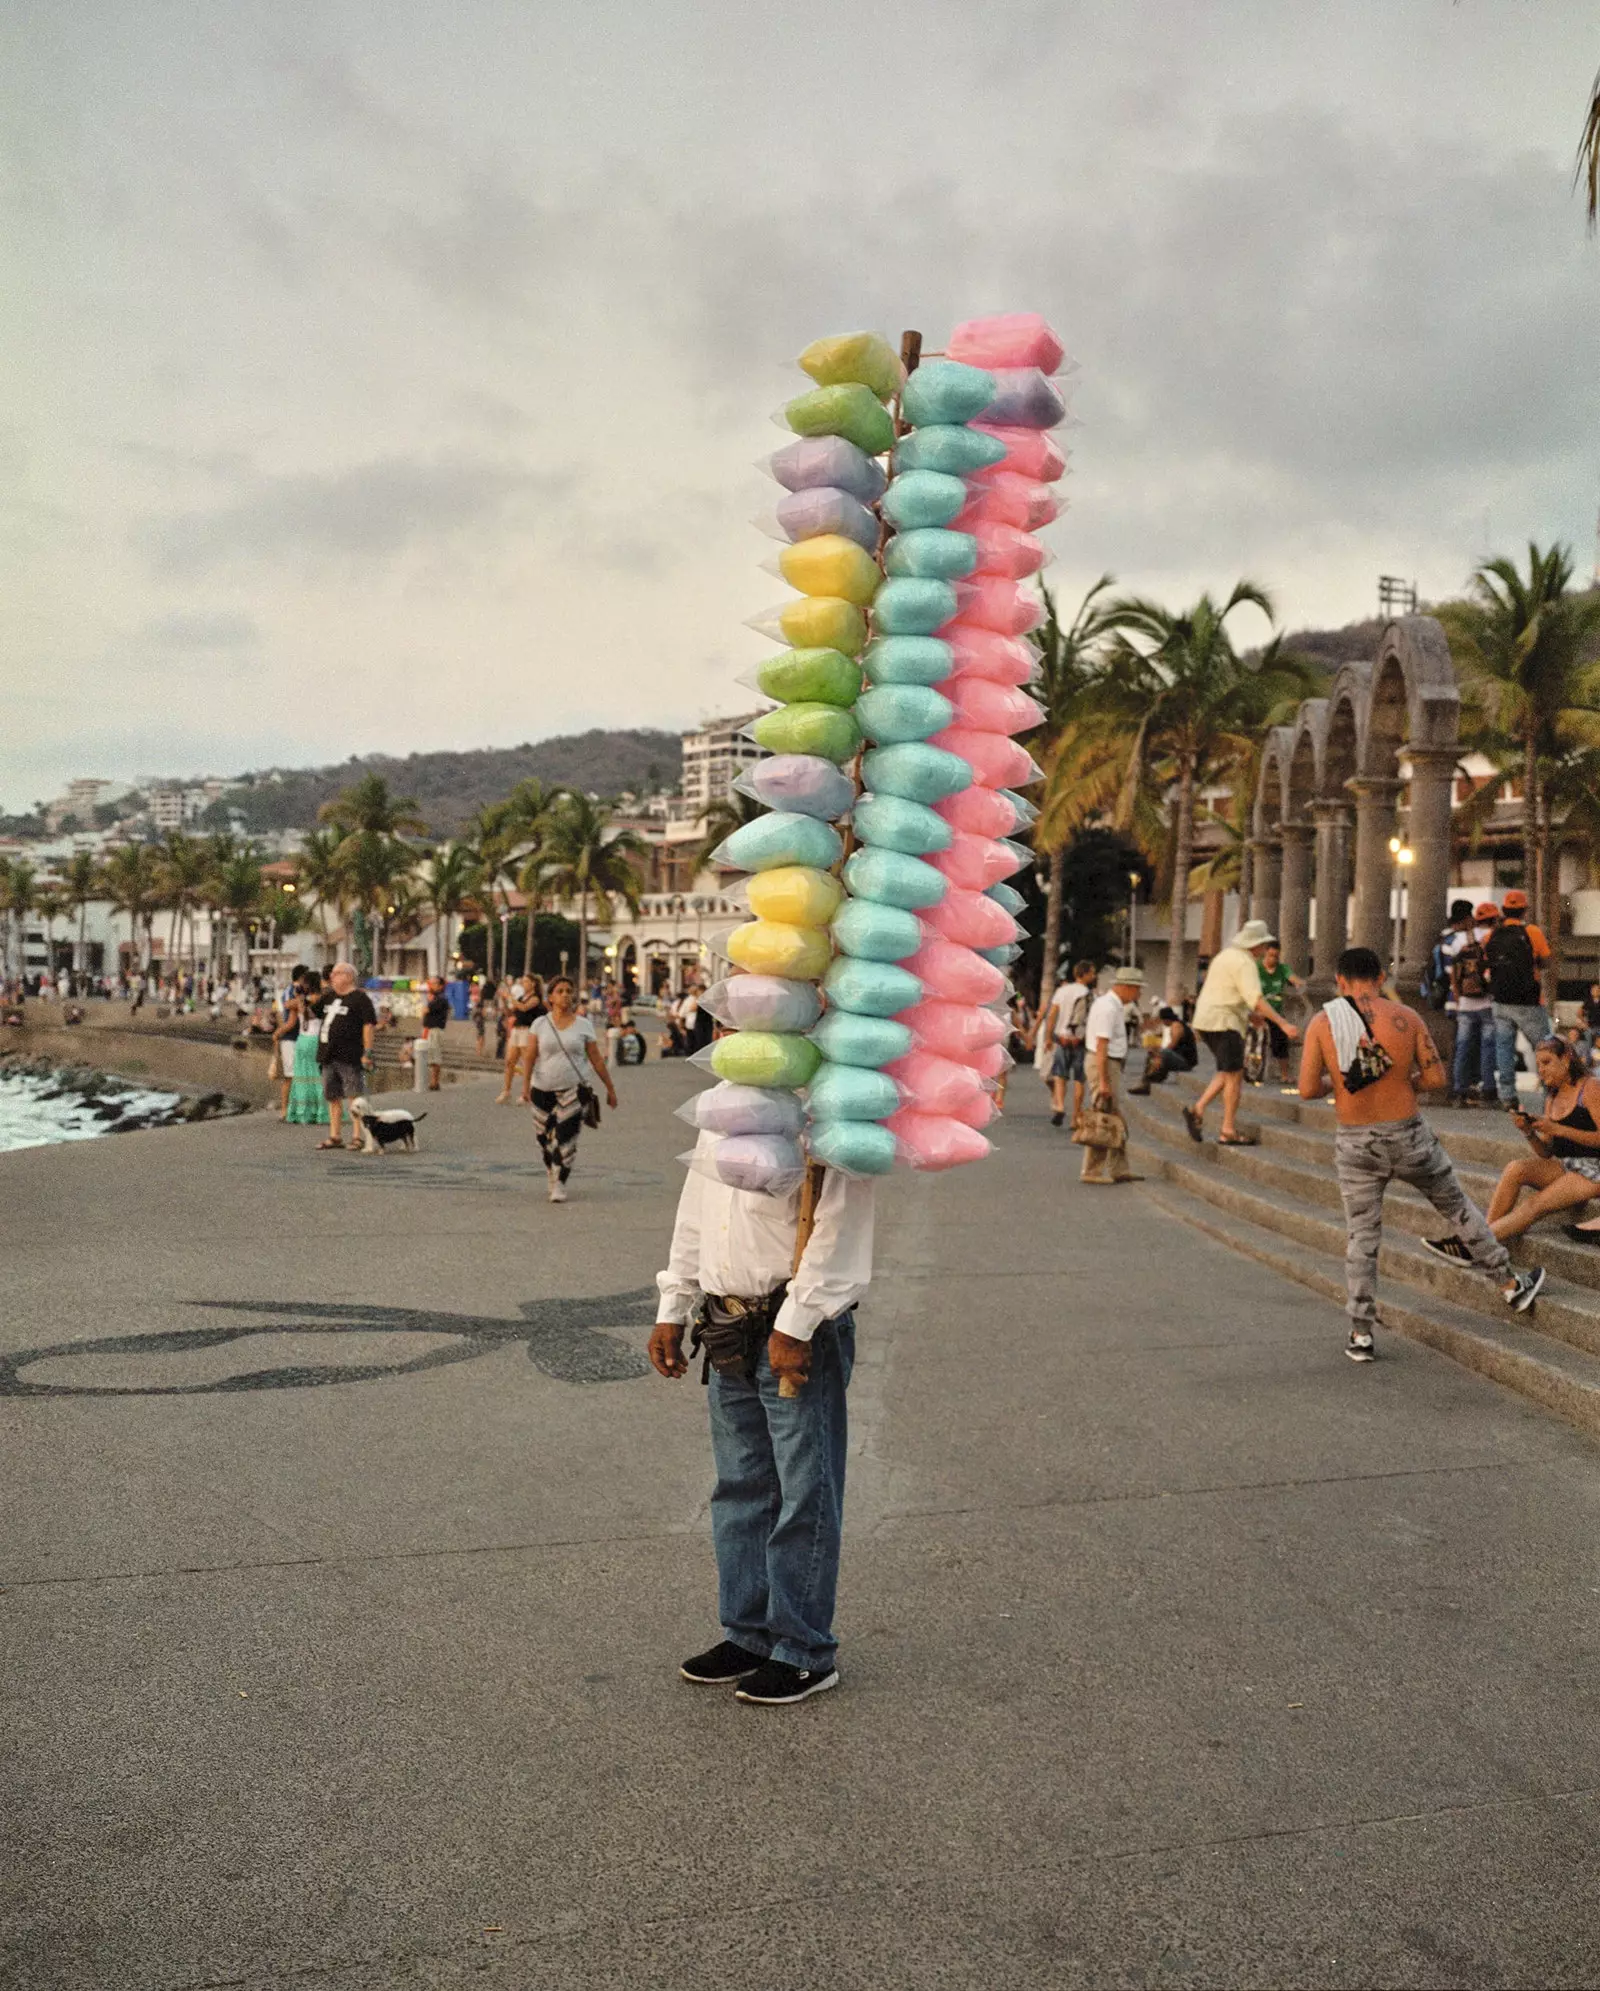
(1333, 883)
(1265, 879)
(1294, 908)
(1374, 866)
(1428, 882)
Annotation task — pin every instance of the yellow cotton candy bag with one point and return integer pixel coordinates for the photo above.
(795, 895)
(830, 564)
(823, 622)
(772, 947)
(860, 356)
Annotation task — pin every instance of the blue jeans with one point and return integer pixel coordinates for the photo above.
(1509, 1018)
(777, 1511)
(1475, 1052)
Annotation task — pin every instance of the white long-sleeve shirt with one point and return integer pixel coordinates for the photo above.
(740, 1242)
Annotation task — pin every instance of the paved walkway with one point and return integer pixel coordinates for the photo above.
(1178, 1651)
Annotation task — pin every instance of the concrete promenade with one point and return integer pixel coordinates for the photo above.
(340, 1636)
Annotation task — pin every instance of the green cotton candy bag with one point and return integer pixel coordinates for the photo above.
(889, 822)
(915, 772)
(818, 677)
(867, 931)
(890, 713)
(893, 879)
(953, 449)
(781, 838)
(871, 988)
(847, 410)
(852, 1092)
(854, 1147)
(927, 553)
(907, 660)
(846, 1039)
(923, 498)
(827, 731)
(765, 1057)
(913, 608)
(944, 392)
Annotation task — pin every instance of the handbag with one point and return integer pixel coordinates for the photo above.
(588, 1098)
(1096, 1128)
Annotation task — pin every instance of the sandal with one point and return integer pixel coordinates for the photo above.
(1238, 1140)
(1192, 1120)
(328, 1144)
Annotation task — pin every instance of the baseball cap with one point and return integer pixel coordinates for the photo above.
(1488, 910)
(1516, 902)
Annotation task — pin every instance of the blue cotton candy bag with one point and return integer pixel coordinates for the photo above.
(893, 823)
(929, 554)
(915, 772)
(944, 391)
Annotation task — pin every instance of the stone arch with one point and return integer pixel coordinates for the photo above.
(1414, 697)
(1346, 727)
(1272, 785)
(1309, 733)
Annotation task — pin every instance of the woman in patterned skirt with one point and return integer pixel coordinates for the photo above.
(564, 1051)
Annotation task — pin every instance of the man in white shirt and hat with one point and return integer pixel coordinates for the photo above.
(767, 1323)
(1105, 1038)
(1229, 997)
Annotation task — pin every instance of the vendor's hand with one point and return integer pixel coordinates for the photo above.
(666, 1350)
(788, 1357)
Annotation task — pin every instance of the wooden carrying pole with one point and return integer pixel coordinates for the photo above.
(811, 1188)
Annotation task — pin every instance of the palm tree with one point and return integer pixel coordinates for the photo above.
(587, 859)
(1525, 649)
(529, 808)
(1080, 746)
(133, 883)
(50, 902)
(372, 852)
(186, 865)
(236, 893)
(82, 883)
(448, 877)
(16, 900)
(1199, 703)
(318, 876)
(1587, 171)
(493, 846)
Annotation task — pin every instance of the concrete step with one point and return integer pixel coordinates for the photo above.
(1301, 1166)
(1560, 1378)
(1566, 1311)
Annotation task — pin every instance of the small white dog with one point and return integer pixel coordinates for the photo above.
(395, 1127)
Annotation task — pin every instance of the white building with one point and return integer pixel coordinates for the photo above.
(713, 759)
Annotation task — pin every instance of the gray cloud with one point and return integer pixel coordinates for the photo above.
(366, 513)
(202, 629)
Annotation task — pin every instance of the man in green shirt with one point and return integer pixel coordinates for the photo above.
(1277, 978)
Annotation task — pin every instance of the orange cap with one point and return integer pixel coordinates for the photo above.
(1516, 902)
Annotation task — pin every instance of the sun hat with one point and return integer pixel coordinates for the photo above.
(1128, 978)
(1488, 910)
(1254, 933)
(1516, 901)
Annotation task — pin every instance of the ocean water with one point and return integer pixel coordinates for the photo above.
(28, 1119)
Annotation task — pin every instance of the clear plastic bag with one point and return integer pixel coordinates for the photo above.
(774, 947)
(854, 1147)
(780, 838)
(1003, 498)
(1008, 896)
(993, 708)
(972, 919)
(914, 608)
(943, 392)
(953, 974)
(824, 509)
(763, 1002)
(851, 411)
(830, 564)
(974, 863)
(801, 784)
(892, 713)
(852, 1092)
(924, 498)
(868, 931)
(954, 1030)
(795, 895)
(828, 460)
(917, 772)
(845, 1038)
(986, 653)
(813, 677)
(823, 732)
(1025, 399)
(985, 603)
(1007, 339)
(953, 449)
(761, 1164)
(745, 1109)
(977, 1111)
(761, 1057)
(928, 553)
(870, 988)
(995, 760)
(893, 879)
(891, 822)
(1007, 553)
(935, 1140)
(933, 1084)
(982, 812)
(1028, 452)
(907, 660)
(814, 622)
(866, 357)
(1001, 957)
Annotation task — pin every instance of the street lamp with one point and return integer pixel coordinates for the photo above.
(1402, 854)
(1133, 915)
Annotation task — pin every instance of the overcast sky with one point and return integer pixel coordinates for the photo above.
(390, 373)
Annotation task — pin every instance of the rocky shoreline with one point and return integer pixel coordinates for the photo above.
(85, 1100)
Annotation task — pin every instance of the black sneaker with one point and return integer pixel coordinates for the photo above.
(775, 1685)
(1056, 1119)
(1359, 1347)
(722, 1664)
(1450, 1249)
(1524, 1289)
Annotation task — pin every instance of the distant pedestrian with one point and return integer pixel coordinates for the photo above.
(286, 1035)
(1229, 997)
(523, 1008)
(1375, 1055)
(349, 1026)
(1277, 980)
(1106, 1041)
(429, 1047)
(1177, 1051)
(1063, 1026)
(1515, 952)
(1472, 1064)
(564, 1051)
(305, 1105)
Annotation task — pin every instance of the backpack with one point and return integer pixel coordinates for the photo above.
(1470, 969)
(1436, 977)
(1512, 975)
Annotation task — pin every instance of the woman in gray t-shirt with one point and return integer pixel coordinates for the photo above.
(564, 1052)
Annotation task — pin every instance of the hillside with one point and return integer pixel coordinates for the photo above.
(450, 787)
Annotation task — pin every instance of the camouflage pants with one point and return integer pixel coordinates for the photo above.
(1366, 1160)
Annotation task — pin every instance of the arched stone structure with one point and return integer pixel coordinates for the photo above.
(1402, 708)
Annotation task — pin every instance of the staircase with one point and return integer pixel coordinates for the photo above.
(1279, 1203)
